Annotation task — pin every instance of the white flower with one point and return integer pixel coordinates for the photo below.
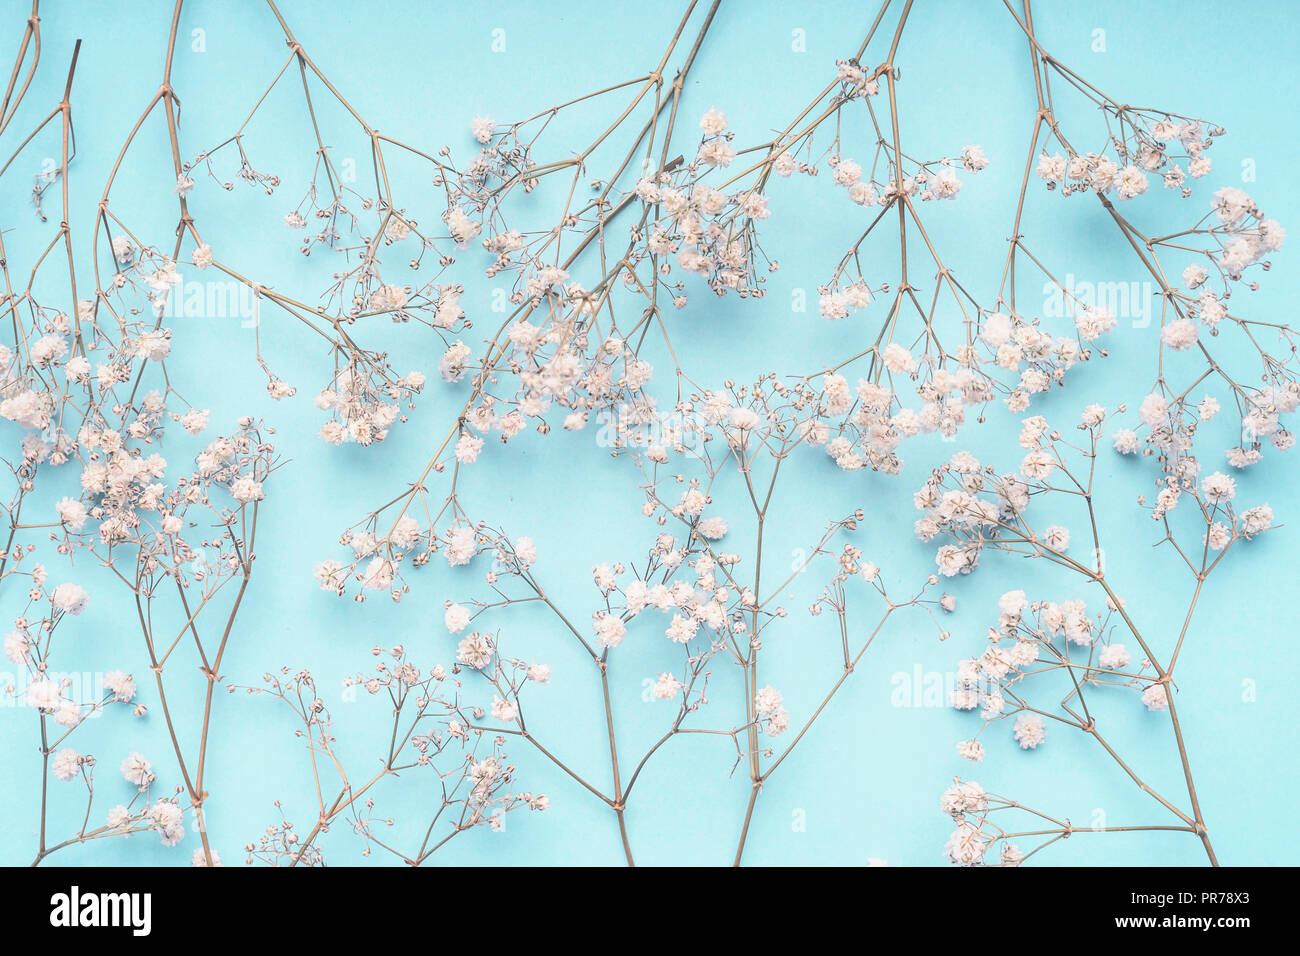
(166, 818)
(971, 750)
(1155, 697)
(767, 700)
(44, 695)
(966, 845)
(475, 650)
(973, 158)
(120, 685)
(47, 349)
(452, 366)
(1094, 322)
(457, 618)
(610, 629)
(1057, 538)
(1038, 464)
(1126, 442)
(713, 122)
(505, 710)
(480, 128)
(18, 648)
(1115, 657)
(1013, 603)
(1257, 519)
(716, 152)
(1130, 182)
(666, 687)
(137, 770)
(462, 545)
(68, 714)
(69, 598)
(118, 817)
(405, 534)
(1051, 169)
(1218, 488)
(712, 528)
(1030, 731)
(72, 513)
(539, 673)
(468, 448)
(963, 797)
(67, 764)
(1180, 334)
(123, 250)
(1154, 410)
(195, 420)
(773, 718)
(244, 489)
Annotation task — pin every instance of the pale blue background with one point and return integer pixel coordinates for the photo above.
(868, 779)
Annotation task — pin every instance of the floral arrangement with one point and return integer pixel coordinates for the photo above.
(604, 252)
